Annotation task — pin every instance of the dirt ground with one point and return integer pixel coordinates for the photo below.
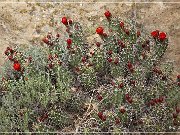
(26, 23)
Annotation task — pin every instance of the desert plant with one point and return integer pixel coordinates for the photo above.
(122, 81)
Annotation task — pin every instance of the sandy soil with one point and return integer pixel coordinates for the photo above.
(26, 23)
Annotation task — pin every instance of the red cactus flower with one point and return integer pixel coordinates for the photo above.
(103, 118)
(121, 24)
(152, 103)
(156, 100)
(68, 47)
(40, 119)
(122, 109)
(129, 65)
(99, 30)
(64, 21)
(161, 99)
(98, 44)
(70, 21)
(162, 36)
(99, 97)
(11, 51)
(121, 85)
(178, 77)
(6, 52)
(69, 41)
(10, 58)
(100, 114)
(107, 14)
(155, 33)
(127, 96)
(15, 61)
(110, 60)
(45, 40)
(116, 61)
(17, 66)
(127, 31)
(117, 121)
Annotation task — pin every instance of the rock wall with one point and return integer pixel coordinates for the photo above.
(23, 23)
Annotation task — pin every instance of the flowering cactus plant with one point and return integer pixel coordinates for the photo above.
(118, 86)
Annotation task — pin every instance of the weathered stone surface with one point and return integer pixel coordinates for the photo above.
(26, 23)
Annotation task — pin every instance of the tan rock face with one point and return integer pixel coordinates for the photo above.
(165, 17)
(27, 23)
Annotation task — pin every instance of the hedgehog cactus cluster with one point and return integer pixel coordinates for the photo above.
(119, 85)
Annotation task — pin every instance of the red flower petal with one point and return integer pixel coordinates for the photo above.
(64, 21)
(116, 61)
(117, 121)
(70, 21)
(121, 85)
(17, 66)
(162, 36)
(121, 24)
(83, 59)
(107, 14)
(45, 40)
(99, 30)
(129, 65)
(99, 97)
(100, 114)
(178, 77)
(110, 60)
(98, 44)
(122, 109)
(69, 41)
(155, 33)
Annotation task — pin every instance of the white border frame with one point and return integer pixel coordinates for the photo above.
(68, 2)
